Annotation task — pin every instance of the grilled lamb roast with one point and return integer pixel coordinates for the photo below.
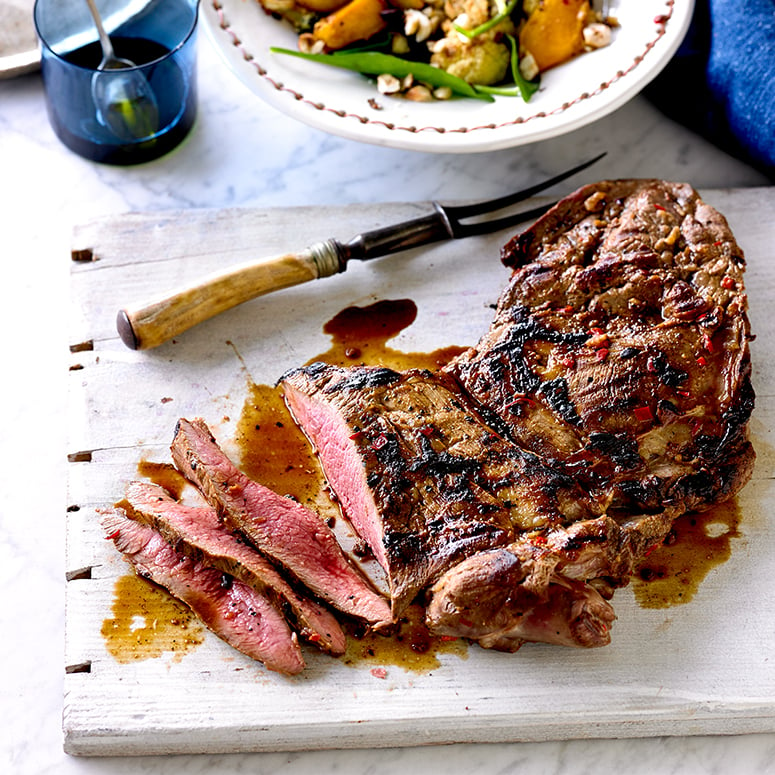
(518, 487)
(611, 394)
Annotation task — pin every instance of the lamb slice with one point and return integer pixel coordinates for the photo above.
(280, 528)
(619, 348)
(235, 612)
(421, 477)
(200, 534)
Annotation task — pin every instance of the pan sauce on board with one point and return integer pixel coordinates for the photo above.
(698, 541)
(274, 452)
(147, 622)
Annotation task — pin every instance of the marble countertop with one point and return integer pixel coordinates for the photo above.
(243, 153)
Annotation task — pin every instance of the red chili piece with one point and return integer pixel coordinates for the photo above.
(569, 361)
(519, 398)
(379, 442)
(643, 413)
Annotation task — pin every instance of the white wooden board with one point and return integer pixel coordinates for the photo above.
(707, 667)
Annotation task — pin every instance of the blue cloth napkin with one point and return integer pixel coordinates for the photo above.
(721, 82)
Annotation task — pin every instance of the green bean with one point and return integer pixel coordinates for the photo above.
(374, 63)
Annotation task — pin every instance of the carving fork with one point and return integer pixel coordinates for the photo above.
(151, 323)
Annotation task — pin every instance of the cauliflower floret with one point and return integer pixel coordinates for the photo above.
(476, 12)
(483, 61)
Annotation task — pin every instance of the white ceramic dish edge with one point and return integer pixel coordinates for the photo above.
(348, 105)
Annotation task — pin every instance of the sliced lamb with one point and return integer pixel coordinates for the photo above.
(197, 532)
(235, 612)
(280, 528)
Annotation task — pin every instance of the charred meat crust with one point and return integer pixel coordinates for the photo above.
(624, 328)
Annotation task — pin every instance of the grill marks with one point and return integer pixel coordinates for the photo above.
(435, 482)
(642, 284)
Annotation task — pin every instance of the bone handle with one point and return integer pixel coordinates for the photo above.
(147, 325)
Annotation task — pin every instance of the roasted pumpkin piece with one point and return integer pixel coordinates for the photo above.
(358, 20)
(553, 33)
(321, 6)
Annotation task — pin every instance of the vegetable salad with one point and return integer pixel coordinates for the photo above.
(426, 50)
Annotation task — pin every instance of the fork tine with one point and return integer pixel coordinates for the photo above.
(496, 224)
(457, 212)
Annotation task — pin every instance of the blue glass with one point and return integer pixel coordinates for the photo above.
(159, 36)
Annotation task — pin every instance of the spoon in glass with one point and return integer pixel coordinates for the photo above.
(125, 102)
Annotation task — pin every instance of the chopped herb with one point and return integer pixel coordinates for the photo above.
(504, 13)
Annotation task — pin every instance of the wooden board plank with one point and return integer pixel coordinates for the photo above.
(700, 668)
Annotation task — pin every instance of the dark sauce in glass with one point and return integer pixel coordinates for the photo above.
(176, 95)
(138, 50)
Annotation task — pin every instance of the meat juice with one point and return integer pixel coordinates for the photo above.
(697, 543)
(148, 622)
(165, 475)
(359, 335)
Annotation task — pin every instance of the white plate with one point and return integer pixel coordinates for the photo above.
(343, 103)
(18, 41)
